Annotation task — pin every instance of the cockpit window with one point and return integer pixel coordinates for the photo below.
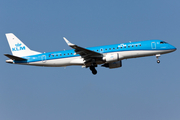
(162, 42)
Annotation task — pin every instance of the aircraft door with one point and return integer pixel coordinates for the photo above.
(43, 58)
(153, 45)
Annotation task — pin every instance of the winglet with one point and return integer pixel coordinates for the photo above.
(69, 43)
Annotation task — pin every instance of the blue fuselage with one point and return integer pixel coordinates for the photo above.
(150, 45)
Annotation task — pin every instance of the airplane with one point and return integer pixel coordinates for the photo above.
(109, 56)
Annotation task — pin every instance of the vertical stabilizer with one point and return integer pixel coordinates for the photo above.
(17, 47)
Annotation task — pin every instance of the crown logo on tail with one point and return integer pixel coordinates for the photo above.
(18, 45)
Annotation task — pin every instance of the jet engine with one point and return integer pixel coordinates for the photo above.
(112, 57)
(112, 65)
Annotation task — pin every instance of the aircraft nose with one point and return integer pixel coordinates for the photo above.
(173, 48)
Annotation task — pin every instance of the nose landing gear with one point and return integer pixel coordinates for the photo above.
(157, 57)
(158, 61)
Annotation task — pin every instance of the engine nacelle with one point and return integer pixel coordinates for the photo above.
(112, 65)
(112, 57)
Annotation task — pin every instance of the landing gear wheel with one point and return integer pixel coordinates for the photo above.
(94, 71)
(158, 61)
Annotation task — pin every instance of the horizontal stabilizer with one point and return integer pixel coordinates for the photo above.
(14, 57)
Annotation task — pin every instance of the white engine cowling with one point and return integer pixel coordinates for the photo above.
(112, 57)
(112, 65)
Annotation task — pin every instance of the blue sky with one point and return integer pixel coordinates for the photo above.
(140, 90)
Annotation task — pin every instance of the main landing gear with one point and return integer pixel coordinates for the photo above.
(157, 57)
(94, 71)
(92, 68)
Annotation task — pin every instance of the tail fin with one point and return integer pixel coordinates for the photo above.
(18, 48)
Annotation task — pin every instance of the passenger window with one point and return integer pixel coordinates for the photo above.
(57, 55)
(124, 46)
(68, 53)
(136, 45)
(140, 45)
(64, 54)
(128, 46)
(132, 45)
(117, 47)
(109, 48)
(106, 49)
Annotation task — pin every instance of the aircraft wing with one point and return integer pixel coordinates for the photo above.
(87, 54)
